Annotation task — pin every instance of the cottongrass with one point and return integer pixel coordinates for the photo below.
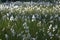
(30, 22)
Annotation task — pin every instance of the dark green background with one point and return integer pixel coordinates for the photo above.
(29, 0)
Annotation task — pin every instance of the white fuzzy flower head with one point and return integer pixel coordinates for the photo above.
(6, 36)
(33, 18)
(7, 14)
(53, 29)
(33, 38)
(50, 26)
(50, 34)
(56, 26)
(11, 18)
(16, 6)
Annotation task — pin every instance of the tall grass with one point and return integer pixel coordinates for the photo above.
(30, 23)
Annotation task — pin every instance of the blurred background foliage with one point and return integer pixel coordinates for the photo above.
(30, 0)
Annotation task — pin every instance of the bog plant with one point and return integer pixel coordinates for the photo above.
(30, 22)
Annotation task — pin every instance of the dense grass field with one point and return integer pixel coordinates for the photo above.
(32, 22)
